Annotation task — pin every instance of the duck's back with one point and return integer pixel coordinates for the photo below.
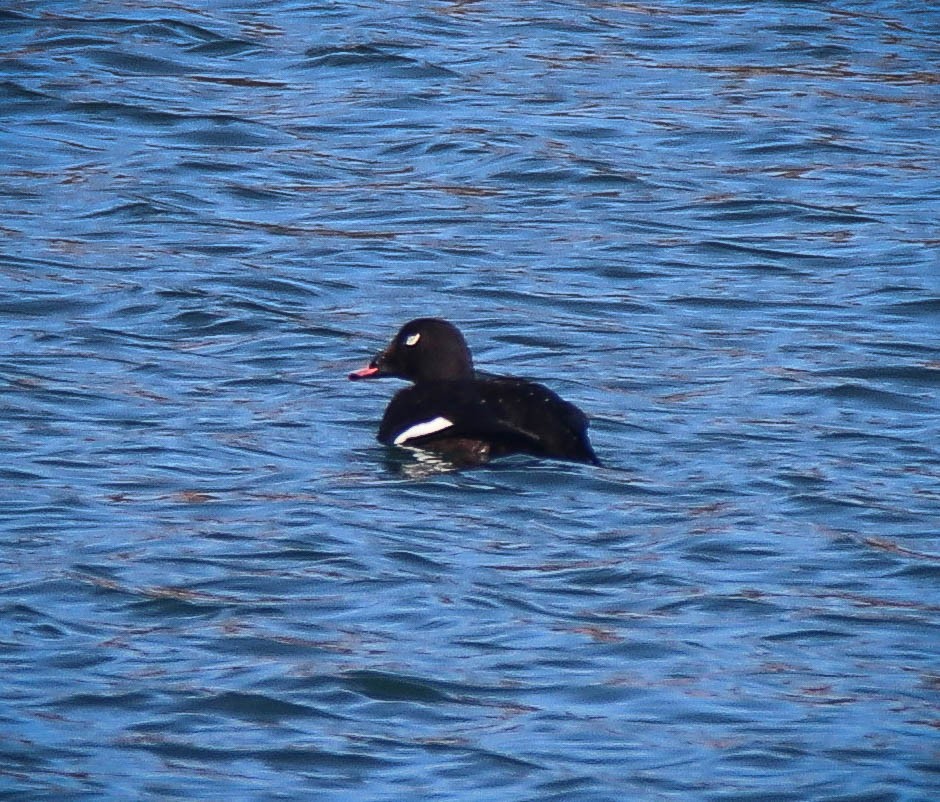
(490, 416)
(555, 427)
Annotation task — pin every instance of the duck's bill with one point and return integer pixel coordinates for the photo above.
(364, 373)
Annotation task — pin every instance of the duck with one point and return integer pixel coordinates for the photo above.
(466, 416)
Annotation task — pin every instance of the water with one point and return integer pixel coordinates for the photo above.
(711, 225)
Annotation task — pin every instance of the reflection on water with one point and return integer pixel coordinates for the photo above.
(711, 227)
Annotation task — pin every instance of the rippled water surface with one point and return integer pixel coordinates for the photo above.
(714, 226)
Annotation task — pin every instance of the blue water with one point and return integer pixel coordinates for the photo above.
(713, 226)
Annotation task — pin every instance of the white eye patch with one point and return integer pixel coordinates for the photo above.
(412, 339)
(421, 429)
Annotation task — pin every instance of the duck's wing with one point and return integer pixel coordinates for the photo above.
(421, 414)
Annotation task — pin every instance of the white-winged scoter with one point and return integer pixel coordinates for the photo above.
(465, 416)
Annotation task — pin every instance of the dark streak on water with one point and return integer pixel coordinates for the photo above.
(712, 225)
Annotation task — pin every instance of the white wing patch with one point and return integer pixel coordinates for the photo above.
(421, 429)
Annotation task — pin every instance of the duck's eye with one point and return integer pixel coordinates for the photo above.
(412, 339)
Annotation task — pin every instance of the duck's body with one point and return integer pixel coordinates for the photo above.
(466, 416)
